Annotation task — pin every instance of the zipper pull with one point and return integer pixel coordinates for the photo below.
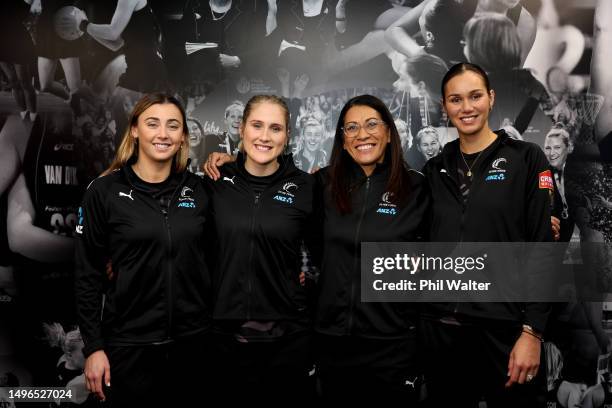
(256, 198)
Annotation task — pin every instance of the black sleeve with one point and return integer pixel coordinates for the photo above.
(90, 262)
(314, 229)
(539, 190)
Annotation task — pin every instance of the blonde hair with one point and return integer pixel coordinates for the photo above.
(128, 148)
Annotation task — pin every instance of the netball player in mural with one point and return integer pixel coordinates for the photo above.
(312, 155)
(18, 56)
(133, 30)
(51, 48)
(492, 42)
(147, 216)
(490, 349)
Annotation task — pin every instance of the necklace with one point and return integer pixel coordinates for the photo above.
(469, 172)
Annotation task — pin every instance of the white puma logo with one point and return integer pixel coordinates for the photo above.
(128, 195)
(229, 179)
(411, 383)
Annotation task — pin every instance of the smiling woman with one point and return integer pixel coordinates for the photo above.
(146, 216)
(366, 350)
(490, 349)
(262, 207)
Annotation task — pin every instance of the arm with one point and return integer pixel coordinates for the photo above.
(110, 34)
(90, 276)
(601, 75)
(398, 35)
(525, 355)
(526, 29)
(25, 238)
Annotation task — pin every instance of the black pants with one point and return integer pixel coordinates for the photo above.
(362, 369)
(464, 364)
(269, 373)
(173, 374)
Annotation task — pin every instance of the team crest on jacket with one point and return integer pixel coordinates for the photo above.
(385, 206)
(497, 170)
(287, 193)
(186, 199)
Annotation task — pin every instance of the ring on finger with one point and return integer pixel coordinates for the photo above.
(529, 377)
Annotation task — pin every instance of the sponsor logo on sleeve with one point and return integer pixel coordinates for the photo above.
(546, 180)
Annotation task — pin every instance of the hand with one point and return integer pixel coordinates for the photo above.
(556, 227)
(229, 61)
(283, 75)
(97, 373)
(524, 359)
(214, 161)
(300, 84)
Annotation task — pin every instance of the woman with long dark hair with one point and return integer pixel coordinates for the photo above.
(485, 349)
(366, 349)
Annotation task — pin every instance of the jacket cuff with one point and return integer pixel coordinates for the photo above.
(92, 346)
(536, 316)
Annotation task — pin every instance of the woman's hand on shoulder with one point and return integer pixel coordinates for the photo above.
(214, 161)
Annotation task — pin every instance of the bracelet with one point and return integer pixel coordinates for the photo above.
(83, 25)
(534, 335)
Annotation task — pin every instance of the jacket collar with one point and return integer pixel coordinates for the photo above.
(287, 166)
(451, 152)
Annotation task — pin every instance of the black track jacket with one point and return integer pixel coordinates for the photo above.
(257, 259)
(339, 309)
(512, 208)
(161, 285)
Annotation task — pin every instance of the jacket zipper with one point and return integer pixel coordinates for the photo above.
(357, 245)
(169, 293)
(251, 251)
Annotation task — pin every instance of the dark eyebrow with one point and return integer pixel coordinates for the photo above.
(152, 118)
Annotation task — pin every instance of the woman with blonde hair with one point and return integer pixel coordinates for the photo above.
(148, 319)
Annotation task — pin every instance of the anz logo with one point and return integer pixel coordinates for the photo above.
(186, 204)
(496, 177)
(283, 199)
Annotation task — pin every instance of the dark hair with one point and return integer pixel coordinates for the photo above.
(493, 42)
(459, 69)
(427, 68)
(341, 161)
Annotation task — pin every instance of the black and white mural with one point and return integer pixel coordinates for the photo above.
(65, 95)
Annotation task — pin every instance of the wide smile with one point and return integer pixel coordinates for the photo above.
(162, 147)
(262, 148)
(365, 147)
(468, 120)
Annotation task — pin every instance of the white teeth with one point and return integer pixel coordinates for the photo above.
(263, 148)
(365, 147)
(468, 119)
(161, 146)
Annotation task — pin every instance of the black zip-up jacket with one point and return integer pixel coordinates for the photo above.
(161, 287)
(512, 208)
(339, 309)
(257, 259)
